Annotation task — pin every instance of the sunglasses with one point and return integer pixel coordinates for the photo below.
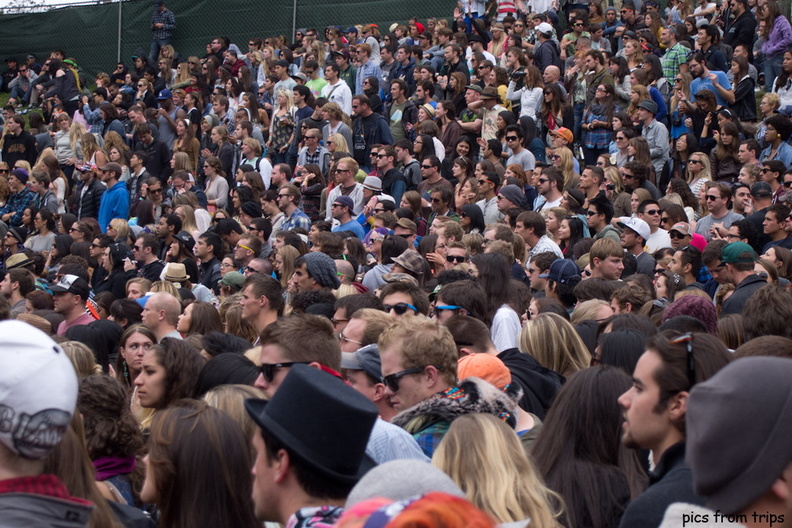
(268, 369)
(687, 340)
(711, 197)
(675, 235)
(400, 308)
(786, 184)
(426, 166)
(652, 212)
(392, 380)
(457, 259)
(511, 138)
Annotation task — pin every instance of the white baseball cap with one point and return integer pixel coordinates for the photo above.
(38, 390)
(637, 225)
(544, 27)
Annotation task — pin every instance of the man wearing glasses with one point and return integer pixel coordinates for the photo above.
(419, 368)
(649, 212)
(344, 174)
(654, 411)
(720, 217)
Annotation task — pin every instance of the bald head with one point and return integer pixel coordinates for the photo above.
(167, 303)
(345, 268)
(551, 74)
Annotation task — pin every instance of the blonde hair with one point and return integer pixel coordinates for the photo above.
(706, 171)
(339, 141)
(567, 164)
(288, 254)
(165, 286)
(188, 222)
(485, 459)
(76, 132)
(587, 310)
(122, 226)
(82, 358)
(613, 175)
(553, 342)
(231, 399)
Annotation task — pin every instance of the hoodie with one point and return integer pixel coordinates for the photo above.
(539, 384)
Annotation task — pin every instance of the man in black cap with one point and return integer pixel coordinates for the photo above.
(738, 260)
(347, 72)
(310, 447)
(70, 295)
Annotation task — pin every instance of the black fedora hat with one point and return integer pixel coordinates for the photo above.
(321, 419)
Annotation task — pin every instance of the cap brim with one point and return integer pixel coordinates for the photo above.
(544, 275)
(349, 361)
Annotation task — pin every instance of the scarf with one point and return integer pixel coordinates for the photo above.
(107, 467)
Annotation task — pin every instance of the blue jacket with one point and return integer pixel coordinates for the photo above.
(114, 204)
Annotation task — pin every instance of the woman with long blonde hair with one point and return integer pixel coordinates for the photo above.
(187, 215)
(553, 342)
(698, 172)
(92, 153)
(562, 158)
(283, 264)
(483, 456)
(282, 126)
(337, 143)
(186, 142)
(614, 190)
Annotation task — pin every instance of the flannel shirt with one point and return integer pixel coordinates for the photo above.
(297, 219)
(674, 56)
(168, 21)
(17, 202)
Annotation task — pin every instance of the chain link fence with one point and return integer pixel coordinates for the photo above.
(99, 35)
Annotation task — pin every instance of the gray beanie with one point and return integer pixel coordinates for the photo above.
(322, 269)
(739, 423)
(402, 479)
(514, 194)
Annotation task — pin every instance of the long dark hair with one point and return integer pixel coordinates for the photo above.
(579, 451)
(473, 212)
(494, 273)
(215, 492)
(575, 235)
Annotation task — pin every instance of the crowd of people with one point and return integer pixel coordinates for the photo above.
(469, 272)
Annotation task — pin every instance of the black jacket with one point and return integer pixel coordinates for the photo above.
(746, 288)
(115, 283)
(210, 274)
(742, 31)
(539, 384)
(671, 481)
(87, 205)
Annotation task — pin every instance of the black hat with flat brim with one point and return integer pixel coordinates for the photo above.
(322, 421)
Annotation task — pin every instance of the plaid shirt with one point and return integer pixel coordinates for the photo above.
(17, 202)
(168, 21)
(297, 219)
(674, 56)
(429, 438)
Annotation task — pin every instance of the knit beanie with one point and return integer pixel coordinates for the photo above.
(322, 269)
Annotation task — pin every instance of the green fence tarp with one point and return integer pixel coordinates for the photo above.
(89, 34)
